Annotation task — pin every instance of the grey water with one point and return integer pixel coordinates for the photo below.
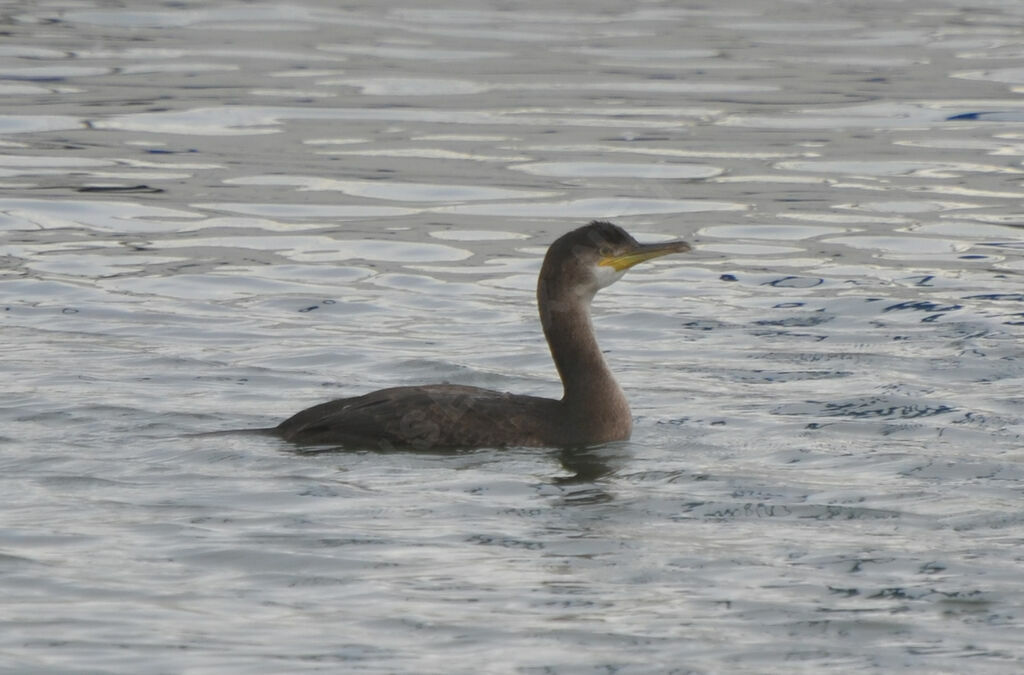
(215, 214)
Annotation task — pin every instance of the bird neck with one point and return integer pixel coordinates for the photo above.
(592, 398)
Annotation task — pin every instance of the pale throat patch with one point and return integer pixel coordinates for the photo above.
(606, 275)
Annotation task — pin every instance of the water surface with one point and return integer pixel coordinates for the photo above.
(212, 217)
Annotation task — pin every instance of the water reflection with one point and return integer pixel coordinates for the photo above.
(394, 190)
(295, 210)
(589, 209)
(121, 216)
(212, 214)
(587, 465)
(257, 120)
(618, 169)
(23, 124)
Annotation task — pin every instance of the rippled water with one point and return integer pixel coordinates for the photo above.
(213, 215)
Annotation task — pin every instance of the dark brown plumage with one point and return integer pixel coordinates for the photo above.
(592, 410)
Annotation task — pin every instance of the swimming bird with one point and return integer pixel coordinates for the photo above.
(592, 410)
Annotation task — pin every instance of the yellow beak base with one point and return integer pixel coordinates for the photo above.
(643, 252)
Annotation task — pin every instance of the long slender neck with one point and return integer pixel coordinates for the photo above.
(592, 398)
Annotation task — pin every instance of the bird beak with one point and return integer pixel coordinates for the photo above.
(641, 253)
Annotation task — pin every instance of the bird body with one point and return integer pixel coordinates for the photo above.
(430, 416)
(592, 410)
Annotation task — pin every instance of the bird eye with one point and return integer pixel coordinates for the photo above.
(605, 251)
